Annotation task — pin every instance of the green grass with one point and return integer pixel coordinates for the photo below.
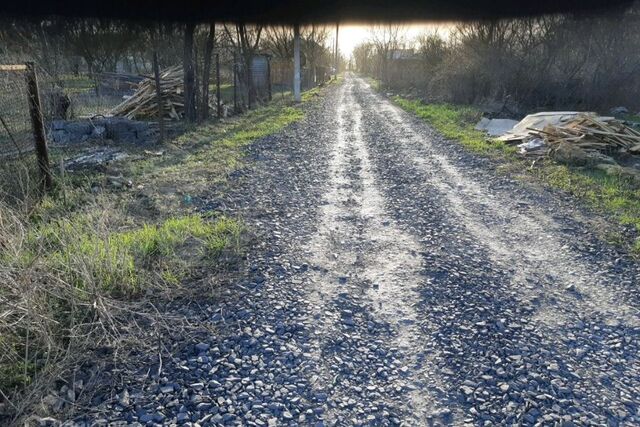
(614, 195)
(15, 374)
(86, 252)
(631, 117)
(226, 91)
(78, 246)
(456, 122)
(73, 84)
(375, 83)
(120, 264)
(218, 149)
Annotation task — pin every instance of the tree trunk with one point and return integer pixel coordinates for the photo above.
(156, 75)
(206, 72)
(189, 75)
(196, 84)
(37, 122)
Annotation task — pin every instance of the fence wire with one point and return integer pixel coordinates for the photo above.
(16, 136)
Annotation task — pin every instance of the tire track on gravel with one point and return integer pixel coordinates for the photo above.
(527, 331)
(364, 259)
(515, 239)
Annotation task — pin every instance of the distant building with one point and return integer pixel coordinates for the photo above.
(402, 54)
(260, 74)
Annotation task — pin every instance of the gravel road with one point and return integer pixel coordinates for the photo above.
(396, 280)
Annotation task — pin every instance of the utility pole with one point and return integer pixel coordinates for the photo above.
(296, 63)
(335, 52)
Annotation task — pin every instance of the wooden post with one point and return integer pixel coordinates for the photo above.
(269, 77)
(296, 63)
(249, 72)
(37, 123)
(235, 83)
(156, 73)
(218, 101)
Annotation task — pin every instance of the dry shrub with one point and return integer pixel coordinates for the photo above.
(546, 62)
(74, 280)
(44, 318)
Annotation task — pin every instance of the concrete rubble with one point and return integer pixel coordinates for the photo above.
(116, 129)
(98, 156)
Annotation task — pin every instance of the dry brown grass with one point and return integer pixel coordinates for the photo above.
(77, 270)
(84, 270)
(79, 279)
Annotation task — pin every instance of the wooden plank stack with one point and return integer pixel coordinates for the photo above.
(591, 134)
(143, 104)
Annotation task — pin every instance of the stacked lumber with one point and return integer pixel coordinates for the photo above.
(591, 134)
(143, 104)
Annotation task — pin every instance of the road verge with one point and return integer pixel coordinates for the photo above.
(613, 196)
(88, 267)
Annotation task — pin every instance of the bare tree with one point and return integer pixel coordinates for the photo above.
(189, 74)
(314, 46)
(206, 74)
(363, 55)
(278, 40)
(386, 39)
(101, 42)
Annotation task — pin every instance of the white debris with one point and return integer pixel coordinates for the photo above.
(531, 145)
(95, 157)
(538, 121)
(495, 127)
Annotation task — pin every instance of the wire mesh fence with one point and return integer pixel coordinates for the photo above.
(24, 161)
(225, 84)
(80, 95)
(62, 97)
(16, 134)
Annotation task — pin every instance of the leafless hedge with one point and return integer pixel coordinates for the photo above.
(582, 62)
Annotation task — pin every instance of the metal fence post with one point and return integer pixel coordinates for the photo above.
(296, 63)
(37, 122)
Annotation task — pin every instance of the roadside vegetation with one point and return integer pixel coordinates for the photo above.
(551, 62)
(614, 195)
(79, 263)
(509, 68)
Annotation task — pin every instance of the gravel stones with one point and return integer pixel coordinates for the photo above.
(489, 343)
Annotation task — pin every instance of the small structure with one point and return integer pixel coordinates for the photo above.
(260, 74)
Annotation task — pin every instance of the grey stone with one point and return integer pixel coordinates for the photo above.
(202, 347)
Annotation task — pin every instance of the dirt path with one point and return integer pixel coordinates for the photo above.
(396, 280)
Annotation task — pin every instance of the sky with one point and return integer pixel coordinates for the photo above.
(351, 35)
